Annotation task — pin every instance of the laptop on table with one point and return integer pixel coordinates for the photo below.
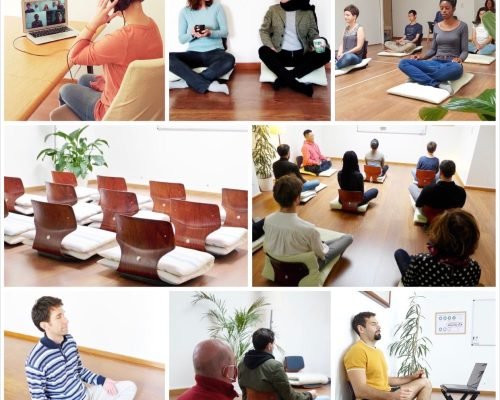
(46, 21)
(472, 383)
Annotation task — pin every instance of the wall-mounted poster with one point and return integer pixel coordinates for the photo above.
(450, 323)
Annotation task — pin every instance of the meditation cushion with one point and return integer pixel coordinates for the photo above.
(97, 219)
(336, 205)
(307, 195)
(14, 225)
(82, 243)
(225, 239)
(176, 267)
(84, 212)
(318, 76)
(257, 244)
(23, 203)
(85, 193)
(429, 94)
(304, 378)
(349, 68)
(172, 77)
(479, 59)
(327, 173)
(320, 187)
(399, 54)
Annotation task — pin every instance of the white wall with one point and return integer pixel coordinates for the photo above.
(483, 159)
(451, 358)
(116, 321)
(244, 21)
(202, 160)
(302, 336)
(370, 17)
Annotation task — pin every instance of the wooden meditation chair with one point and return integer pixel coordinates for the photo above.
(147, 252)
(350, 200)
(255, 395)
(16, 198)
(235, 202)
(118, 183)
(69, 178)
(431, 213)
(14, 225)
(425, 177)
(58, 235)
(141, 96)
(163, 192)
(372, 174)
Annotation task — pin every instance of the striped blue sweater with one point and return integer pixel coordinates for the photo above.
(55, 371)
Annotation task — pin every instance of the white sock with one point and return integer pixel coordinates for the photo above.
(218, 87)
(180, 84)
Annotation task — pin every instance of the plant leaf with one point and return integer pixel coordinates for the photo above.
(432, 113)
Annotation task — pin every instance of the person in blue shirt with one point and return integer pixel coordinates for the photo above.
(411, 38)
(202, 24)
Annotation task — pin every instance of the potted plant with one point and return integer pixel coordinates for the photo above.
(76, 155)
(237, 328)
(484, 106)
(411, 347)
(263, 155)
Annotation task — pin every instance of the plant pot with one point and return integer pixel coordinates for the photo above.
(266, 184)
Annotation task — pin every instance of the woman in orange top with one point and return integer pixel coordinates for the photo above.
(138, 39)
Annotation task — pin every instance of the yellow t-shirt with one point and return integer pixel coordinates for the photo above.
(372, 360)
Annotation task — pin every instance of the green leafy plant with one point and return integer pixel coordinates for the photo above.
(76, 155)
(484, 106)
(237, 328)
(263, 151)
(411, 347)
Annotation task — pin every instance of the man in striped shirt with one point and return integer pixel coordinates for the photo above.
(54, 369)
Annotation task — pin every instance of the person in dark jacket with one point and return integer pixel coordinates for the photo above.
(261, 372)
(284, 167)
(351, 179)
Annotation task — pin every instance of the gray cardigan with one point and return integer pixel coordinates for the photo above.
(273, 28)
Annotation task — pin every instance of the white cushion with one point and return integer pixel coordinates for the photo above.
(147, 206)
(25, 199)
(305, 378)
(336, 205)
(257, 244)
(172, 77)
(15, 224)
(399, 54)
(429, 93)
(16, 239)
(177, 266)
(84, 193)
(141, 199)
(24, 210)
(318, 76)
(327, 173)
(83, 211)
(479, 59)
(349, 68)
(320, 187)
(225, 239)
(307, 195)
(97, 219)
(82, 243)
(418, 217)
(223, 214)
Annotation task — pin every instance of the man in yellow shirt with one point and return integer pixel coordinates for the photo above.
(367, 369)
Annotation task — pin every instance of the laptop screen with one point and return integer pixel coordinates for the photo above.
(43, 13)
(476, 375)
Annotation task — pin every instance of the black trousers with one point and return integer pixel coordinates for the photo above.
(303, 63)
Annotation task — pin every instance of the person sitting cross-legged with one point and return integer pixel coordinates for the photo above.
(284, 167)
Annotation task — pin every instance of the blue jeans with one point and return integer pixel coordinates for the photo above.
(336, 248)
(347, 59)
(485, 51)
(80, 97)
(370, 194)
(403, 260)
(217, 62)
(310, 185)
(431, 72)
(316, 169)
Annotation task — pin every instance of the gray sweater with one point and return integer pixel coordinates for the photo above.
(450, 44)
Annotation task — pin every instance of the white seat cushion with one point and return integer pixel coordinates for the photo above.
(399, 54)
(83, 211)
(429, 94)
(257, 244)
(318, 76)
(326, 174)
(24, 210)
(84, 193)
(97, 219)
(320, 187)
(306, 378)
(25, 199)
(147, 206)
(172, 77)
(15, 224)
(177, 266)
(225, 239)
(479, 59)
(82, 243)
(418, 217)
(349, 68)
(307, 195)
(336, 205)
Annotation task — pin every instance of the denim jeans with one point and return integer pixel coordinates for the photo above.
(316, 169)
(310, 185)
(414, 191)
(370, 194)
(217, 62)
(336, 248)
(347, 59)
(403, 260)
(431, 72)
(485, 51)
(80, 97)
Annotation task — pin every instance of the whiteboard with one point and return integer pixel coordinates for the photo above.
(483, 322)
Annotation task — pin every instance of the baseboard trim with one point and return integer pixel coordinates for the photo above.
(94, 352)
(177, 391)
(480, 188)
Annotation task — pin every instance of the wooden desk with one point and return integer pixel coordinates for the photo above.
(29, 79)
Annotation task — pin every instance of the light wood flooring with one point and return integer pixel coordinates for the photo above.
(150, 381)
(250, 100)
(24, 267)
(361, 95)
(385, 227)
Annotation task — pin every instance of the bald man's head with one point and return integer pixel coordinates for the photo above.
(209, 358)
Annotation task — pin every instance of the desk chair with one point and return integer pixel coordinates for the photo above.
(425, 177)
(235, 203)
(255, 395)
(141, 96)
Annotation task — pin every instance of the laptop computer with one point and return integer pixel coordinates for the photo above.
(46, 21)
(474, 379)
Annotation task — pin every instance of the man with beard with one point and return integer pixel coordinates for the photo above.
(367, 369)
(287, 35)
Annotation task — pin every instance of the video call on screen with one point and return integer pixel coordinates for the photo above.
(44, 13)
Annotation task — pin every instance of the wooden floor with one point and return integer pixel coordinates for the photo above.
(51, 102)
(24, 267)
(250, 100)
(150, 381)
(385, 227)
(361, 94)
